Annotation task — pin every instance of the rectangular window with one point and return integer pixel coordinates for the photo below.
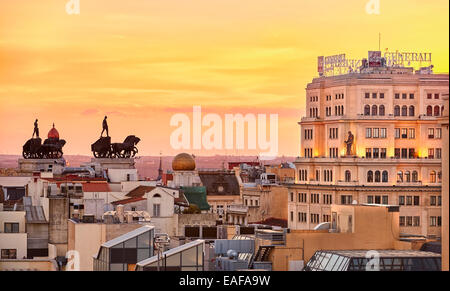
(438, 153)
(383, 132)
(376, 153)
(397, 96)
(412, 153)
(368, 132)
(438, 133)
(292, 216)
(377, 199)
(411, 96)
(433, 221)
(401, 200)
(397, 153)
(397, 133)
(381, 95)
(408, 200)
(402, 221)
(368, 153)
(404, 133)
(409, 221)
(436, 96)
(383, 153)
(157, 210)
(433, 201)
(416, 200)
(370, 199)
(9, 254)
(374, 95)
(385, 200)
(376, 132)
(431, 133)
(11, 227)
(416, 221)
(404, 153)
(429, 96)
(367, 95)
(412, 133)
(404, 95)
(431, 153)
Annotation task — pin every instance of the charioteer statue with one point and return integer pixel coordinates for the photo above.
(103, 148)
(349, 143)
(36, 129)
(105, 127)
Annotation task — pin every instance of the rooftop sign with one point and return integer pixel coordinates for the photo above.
(340, 64)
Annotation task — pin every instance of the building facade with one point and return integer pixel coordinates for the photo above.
(372, 137)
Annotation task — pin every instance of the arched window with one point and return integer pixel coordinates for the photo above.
(429, 111)
(411, 111)
(370, 177)
(374, 110)
(404, 110)
(407, 177)
(437, 110)
(348, 176)
(415, 176)
(433, 177)
(385, 176)
(367, 110)
(397, 110)
(342, 109)
(382, 110)
(400, 177)
(377, 177)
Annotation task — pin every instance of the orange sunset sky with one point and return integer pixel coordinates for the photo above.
(141, 61)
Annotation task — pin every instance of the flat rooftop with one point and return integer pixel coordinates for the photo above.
(384, 253)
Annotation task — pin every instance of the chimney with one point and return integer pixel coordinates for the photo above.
(129, 217)
(120, 213)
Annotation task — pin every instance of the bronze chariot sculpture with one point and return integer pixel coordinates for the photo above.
(50, 149)
(103, 148)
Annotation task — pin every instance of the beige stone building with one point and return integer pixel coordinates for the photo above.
(389, 117)
(445, 185)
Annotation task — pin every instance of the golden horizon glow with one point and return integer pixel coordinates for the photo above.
(139, 62)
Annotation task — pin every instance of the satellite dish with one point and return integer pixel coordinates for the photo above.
(355, 202)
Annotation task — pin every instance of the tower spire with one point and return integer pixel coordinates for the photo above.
(160, 170)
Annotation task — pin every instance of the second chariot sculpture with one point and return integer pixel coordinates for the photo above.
(103, 148)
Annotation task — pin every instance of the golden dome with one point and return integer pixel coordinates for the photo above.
(183, 162)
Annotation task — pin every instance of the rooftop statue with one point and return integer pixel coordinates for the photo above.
(105, 127)
(103, 148)
(36, 129)
(50, 149)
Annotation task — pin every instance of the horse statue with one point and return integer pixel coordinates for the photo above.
(31, 149)
(127, 149)
(52, 148)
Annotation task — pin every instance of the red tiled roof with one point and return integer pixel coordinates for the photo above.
(139, 191)
(96, 187)
(128, 200)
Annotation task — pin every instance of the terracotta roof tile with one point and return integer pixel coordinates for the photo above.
(128, 200)
(139, 191)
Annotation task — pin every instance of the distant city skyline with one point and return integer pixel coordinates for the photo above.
(141, 62)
